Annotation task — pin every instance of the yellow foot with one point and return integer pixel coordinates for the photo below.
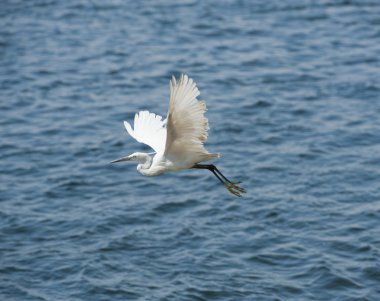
(234, 189)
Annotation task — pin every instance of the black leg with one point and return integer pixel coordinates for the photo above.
(209, 167)
(216, 175)
(218, 171)
(231, 186)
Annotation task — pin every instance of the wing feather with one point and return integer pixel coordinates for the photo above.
(149, 129)
(186, 124)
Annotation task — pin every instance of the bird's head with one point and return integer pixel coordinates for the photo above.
(138, 157)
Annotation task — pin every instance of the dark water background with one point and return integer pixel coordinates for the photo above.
(293, 94)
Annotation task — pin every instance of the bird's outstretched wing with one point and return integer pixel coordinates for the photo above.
(149, 129)
(186, 124)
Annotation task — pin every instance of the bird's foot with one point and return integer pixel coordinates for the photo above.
(234, 189)
(235, 186)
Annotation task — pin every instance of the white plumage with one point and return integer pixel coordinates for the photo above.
(186, 124)
(177, 140)
(149, 128)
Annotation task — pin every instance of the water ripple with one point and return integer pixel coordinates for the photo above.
(292, 91)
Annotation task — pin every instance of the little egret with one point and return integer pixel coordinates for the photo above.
(177, 140)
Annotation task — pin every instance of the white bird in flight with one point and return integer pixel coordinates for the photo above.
(177, 140)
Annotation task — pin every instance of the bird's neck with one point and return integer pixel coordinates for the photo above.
(144, 163)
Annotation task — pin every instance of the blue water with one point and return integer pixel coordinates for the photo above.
(292, 89)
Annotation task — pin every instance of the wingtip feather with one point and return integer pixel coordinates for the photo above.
(129, 129)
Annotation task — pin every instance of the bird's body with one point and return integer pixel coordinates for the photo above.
(156, 165)
(177, 140)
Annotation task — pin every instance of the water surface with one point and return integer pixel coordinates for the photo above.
(292, 89)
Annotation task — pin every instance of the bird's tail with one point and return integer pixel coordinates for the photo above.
(211, 156)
